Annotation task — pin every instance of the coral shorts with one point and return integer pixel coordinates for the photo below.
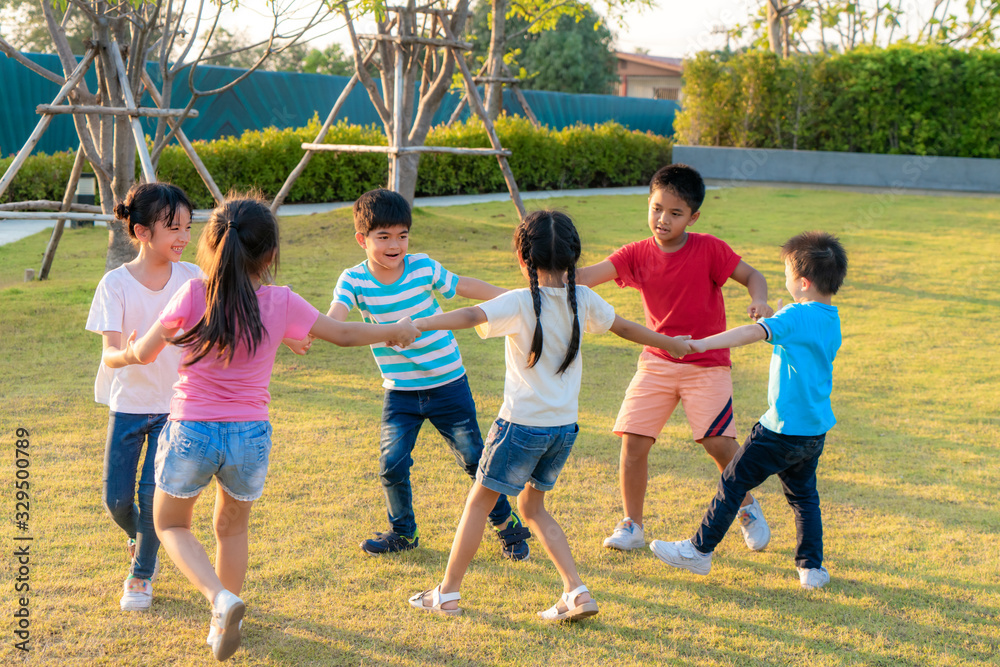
(705, 392)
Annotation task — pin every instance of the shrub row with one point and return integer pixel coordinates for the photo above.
(576, 157)
(905, 99)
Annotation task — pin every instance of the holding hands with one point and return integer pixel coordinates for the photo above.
(404, 334)
(759, 309)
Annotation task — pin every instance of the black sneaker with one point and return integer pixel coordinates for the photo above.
(391, 542)
(512, 539)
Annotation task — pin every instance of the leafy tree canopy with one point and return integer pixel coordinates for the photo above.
(574, 55)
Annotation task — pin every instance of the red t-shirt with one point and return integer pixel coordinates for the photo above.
(682, 290)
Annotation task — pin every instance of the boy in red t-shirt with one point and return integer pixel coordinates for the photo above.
(680, 277)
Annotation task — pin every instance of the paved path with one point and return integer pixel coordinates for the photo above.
(12, 230)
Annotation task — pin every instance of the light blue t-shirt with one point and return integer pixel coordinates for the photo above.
(806, 337)
(433, 359)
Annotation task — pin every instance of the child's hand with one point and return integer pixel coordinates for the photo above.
(405, 335)
(781, 304)
(128, 352)
(697, 346)
(300, 347)
(678, 346)
(759, 309)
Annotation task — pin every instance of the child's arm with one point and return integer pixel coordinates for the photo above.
(756, 285)
(113, 355)
(744, 335)
(675, 345)
(480, 290)
(352, 334)
(146, 349)
(463, 318)
(595, 274)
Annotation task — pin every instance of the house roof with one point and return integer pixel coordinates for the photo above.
(673, 65)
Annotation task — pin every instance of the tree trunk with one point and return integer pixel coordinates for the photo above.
(494, 91)
(408, 165)
(120, 248)
(774, 33)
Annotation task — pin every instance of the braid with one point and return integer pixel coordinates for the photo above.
(574, 341)
(536, 300)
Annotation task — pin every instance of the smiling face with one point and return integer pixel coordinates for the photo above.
(669, 218)
(386, 249)
(166, 240)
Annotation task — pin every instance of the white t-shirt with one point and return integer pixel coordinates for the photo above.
(122, 304)
(540, 396)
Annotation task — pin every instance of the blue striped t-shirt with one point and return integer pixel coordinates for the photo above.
(433, 359)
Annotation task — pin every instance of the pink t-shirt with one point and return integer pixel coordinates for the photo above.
(682, 290)
(213, 392)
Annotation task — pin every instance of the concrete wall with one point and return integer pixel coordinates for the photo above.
(828, 168)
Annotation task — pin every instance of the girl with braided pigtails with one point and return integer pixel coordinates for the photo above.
(535, 430)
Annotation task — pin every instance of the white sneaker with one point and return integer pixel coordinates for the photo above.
(682, 555)
(756, 532)
(138, 594)
(813, 578)
(628, 535)
(227, 615)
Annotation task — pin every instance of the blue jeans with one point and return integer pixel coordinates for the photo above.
(127, 433)
(793, 458)
(452, 411)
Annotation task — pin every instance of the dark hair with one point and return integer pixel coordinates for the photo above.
(239, 244)
(683, 181)
(819, 257)
(377, 209)
(548, 240)
(145, 203)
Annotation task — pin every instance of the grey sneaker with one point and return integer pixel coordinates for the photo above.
(628, 535)
(756, 532)
(813, 578)
(682, 555)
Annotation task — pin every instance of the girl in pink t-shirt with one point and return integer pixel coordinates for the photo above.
(233, 323)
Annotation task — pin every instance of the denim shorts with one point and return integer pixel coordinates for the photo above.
(516, 455)
(189, 453)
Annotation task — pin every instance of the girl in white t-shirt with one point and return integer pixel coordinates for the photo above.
(233, 323)
(158, 219)
(534, 433)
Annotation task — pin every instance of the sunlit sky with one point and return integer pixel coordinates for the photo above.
(674, 28)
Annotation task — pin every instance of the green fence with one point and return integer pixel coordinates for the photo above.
(287, 99)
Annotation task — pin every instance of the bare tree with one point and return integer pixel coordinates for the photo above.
(421, 43)
(176, 35)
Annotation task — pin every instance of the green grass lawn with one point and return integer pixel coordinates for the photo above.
(909, 480)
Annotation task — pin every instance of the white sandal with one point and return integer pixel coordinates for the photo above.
(437, 599)
(573, 610)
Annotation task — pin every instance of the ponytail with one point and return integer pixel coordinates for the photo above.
(239, 244)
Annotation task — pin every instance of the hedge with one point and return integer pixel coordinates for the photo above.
(543, 159)
(905, 99)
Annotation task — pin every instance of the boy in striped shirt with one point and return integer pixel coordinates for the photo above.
(423, 381)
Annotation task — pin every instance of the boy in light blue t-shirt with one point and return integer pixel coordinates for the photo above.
(789, 438)
(425, 380)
